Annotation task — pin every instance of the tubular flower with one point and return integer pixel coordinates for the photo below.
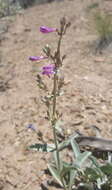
(36, 58)
(48, 70)
(45, 29)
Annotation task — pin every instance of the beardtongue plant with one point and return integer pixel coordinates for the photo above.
(69, 175)
(51, 70)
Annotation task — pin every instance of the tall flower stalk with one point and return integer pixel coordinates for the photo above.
(52, 71)
(57, 60)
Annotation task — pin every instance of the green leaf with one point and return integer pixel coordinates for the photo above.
(107, 169)
(42, 147)
(92, 174)
(73, 174)
(95, 163)
(66, 168)
(64, 144)
(66, 173)
(82, 158)
(56, 161)
(55, 174)
(48, 147)
(75, 148)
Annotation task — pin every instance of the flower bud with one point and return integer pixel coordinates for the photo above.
(48, 70)
(45, 29)
(36, 58)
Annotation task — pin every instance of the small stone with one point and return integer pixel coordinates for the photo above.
(99, 59)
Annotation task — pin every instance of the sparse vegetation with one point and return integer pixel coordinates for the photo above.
(63, 108)
(8, 7)
(103, 26)
(92, 6)
(4, 8)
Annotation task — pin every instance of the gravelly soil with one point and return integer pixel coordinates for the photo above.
(87, 99)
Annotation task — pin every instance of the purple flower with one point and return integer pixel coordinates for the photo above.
(45, 29)
(31, 126)
(36, 58)
(48, 70)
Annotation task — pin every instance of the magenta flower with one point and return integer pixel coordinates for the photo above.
(48, 70)
(37, 58)
(45, 29)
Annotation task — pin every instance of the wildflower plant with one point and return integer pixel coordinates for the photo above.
(83, 168)
(52, 70)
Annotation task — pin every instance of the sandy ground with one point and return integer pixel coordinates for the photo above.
(87, 99)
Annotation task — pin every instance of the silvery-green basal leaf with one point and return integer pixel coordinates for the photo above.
(42, 147)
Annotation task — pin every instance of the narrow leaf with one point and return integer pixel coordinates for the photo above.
(42, 147)
(73, 174)
(56, 160)
(95, 163)
(55, 174)
(82, 158)
(75, 148)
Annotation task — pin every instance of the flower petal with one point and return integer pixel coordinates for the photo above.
(36, 58)
(48, 70)
(45, 29)
(31, 126)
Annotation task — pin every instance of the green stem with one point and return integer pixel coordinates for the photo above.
(54, 95)
(58, 52)
(54, 119)
(59, 43)
(54, 101)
